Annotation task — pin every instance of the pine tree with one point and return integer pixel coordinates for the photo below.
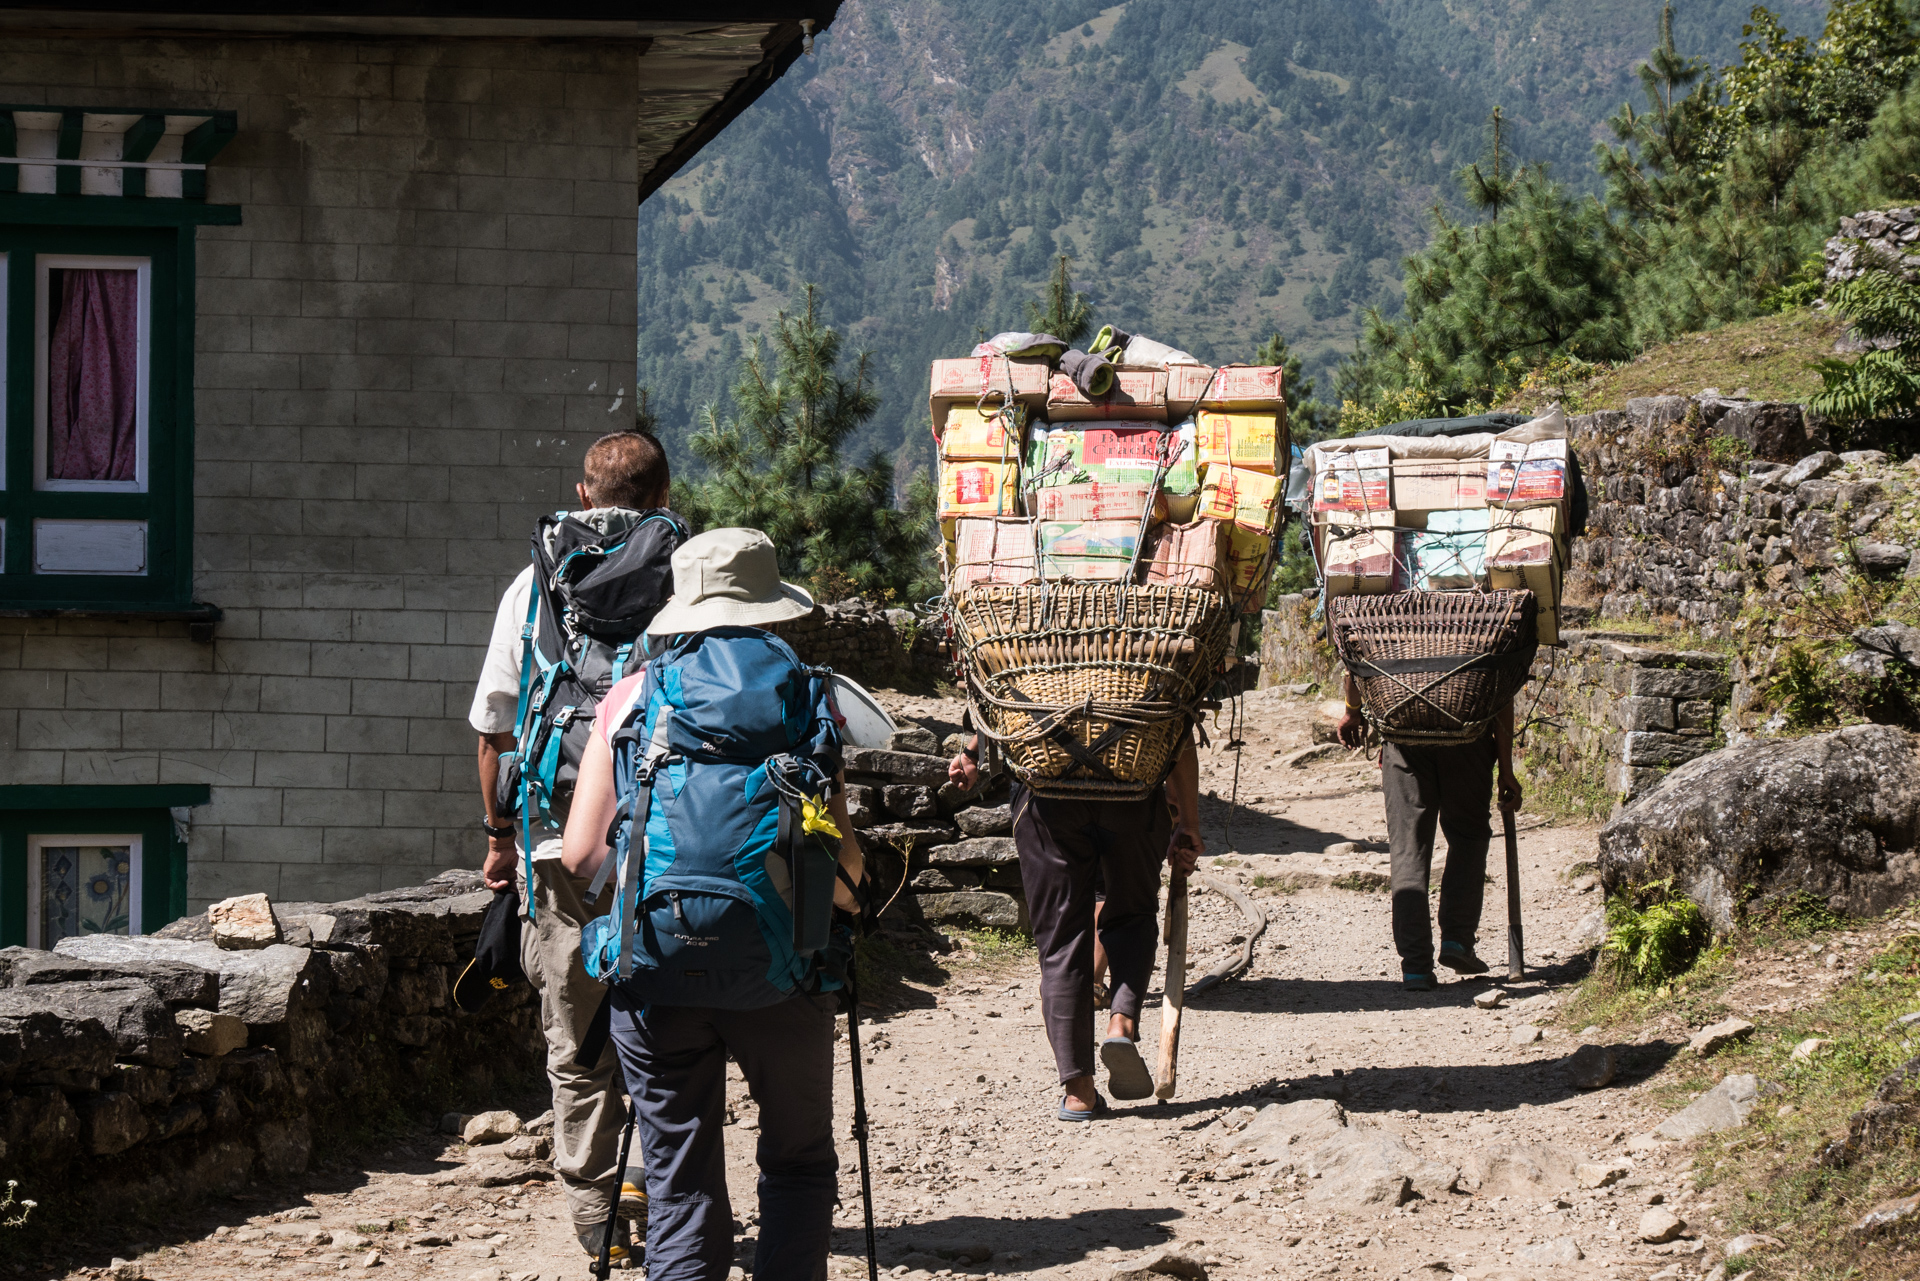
(776, 467)
(1067, 315)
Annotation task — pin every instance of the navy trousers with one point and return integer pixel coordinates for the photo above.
(675, 1061)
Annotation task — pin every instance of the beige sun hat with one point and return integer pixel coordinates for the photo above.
(727, 578)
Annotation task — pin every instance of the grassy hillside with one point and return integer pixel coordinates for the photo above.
(1218, 170)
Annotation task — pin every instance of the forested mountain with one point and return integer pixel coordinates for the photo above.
(1218, 170)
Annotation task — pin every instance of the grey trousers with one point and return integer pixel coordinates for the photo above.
(1453, 788)
(1063, 846)
(588, 1111)
(675, 1056)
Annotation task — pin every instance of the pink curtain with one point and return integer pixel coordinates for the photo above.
(92, 375)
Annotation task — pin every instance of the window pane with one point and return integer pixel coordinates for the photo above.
(84, 889)
(93, 373)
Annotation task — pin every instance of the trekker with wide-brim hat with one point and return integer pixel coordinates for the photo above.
(687, 754)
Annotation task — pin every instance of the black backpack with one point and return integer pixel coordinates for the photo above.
(593, 595)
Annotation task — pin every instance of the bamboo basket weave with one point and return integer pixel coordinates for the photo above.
(1087, 687)
(1435, 667)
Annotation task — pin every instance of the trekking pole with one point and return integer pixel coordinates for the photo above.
(603, 1266)
(860, 1120)
(1516, 940)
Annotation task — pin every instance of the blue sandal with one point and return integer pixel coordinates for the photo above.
(1127, 1074)
(1066, 1113)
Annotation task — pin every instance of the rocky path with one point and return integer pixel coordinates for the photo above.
(1327, 1122)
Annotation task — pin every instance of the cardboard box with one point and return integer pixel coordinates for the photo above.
(1088, 551)
(979, 489)
(1192, 554)
(1355, 480)
(1250, 499)
(1094, 500)
(1252, 388)
(1438, 484)
(1526, 475)
(1539, 520)
(1361, 564)
(990, 550)
(1249, 565)
(1138, 395)
(1543, 580)
(1449, 557)
(998, 434)
(970, 377)
(1252, 441)
(1113, 452)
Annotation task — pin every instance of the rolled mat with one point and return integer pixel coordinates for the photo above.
(1092, 375)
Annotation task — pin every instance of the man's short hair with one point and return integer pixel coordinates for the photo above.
(626, 469)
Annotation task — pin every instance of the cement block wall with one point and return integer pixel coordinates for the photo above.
(423, 319)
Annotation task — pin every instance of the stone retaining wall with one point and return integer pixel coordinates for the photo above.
(1617, 714)
(870, 644)
(953, 849)
(170, 1067)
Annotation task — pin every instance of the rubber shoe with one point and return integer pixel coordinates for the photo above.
(633, 1202)
(1418, 982)
(1460, 958)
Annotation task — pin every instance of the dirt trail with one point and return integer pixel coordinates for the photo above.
(974, 1177)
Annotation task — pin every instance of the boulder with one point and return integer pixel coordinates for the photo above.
(1725, 1107)
(1771, 429)
(1601, 1174)
(907, 800)
(490, 1127)
(1882, 560)
(112, 1122)
(1360, 1169)
(981, 851)
(174, 982)
(1284, 1132)
(1522, 1169)
(1592, 1067)
(977, 907)
(916, 739)
(1718, 1036)
(209, 1032)
(1809, 468)
(1558, 1252)
(136, 1021)
(980, 820)
(243, 923)
(1660, 1224)
(1891, 1118)
(902, 767)
(1888, 1215)
(1833, 815)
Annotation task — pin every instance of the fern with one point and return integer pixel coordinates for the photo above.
(1880, 304)
(1647, 946)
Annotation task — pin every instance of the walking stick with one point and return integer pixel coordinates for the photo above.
(1176, 986)
(1516, 935)
(603, 1267)
(860, 1120)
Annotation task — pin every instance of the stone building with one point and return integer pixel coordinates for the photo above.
(310, 307)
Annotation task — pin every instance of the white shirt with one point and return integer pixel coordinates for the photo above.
(498, 696)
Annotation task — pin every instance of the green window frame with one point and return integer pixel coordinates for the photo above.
(27, 813)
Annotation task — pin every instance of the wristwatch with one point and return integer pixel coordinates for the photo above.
(504, 830)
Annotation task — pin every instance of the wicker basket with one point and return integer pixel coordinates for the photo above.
(1435, 667)
(1087, 687)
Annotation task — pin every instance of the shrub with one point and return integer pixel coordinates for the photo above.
(1647, 946)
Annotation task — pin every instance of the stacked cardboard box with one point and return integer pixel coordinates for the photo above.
(1039, 480)
(1493, 517)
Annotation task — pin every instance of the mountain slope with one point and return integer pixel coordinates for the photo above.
(1218, 169)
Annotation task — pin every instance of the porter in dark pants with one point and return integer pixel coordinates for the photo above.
(1451, 787)
(1063, 844)
(675, 1061)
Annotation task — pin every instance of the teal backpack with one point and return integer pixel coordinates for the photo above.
(724, 857)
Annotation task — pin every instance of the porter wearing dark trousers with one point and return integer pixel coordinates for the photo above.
(1062, 844)
(1449, 787)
